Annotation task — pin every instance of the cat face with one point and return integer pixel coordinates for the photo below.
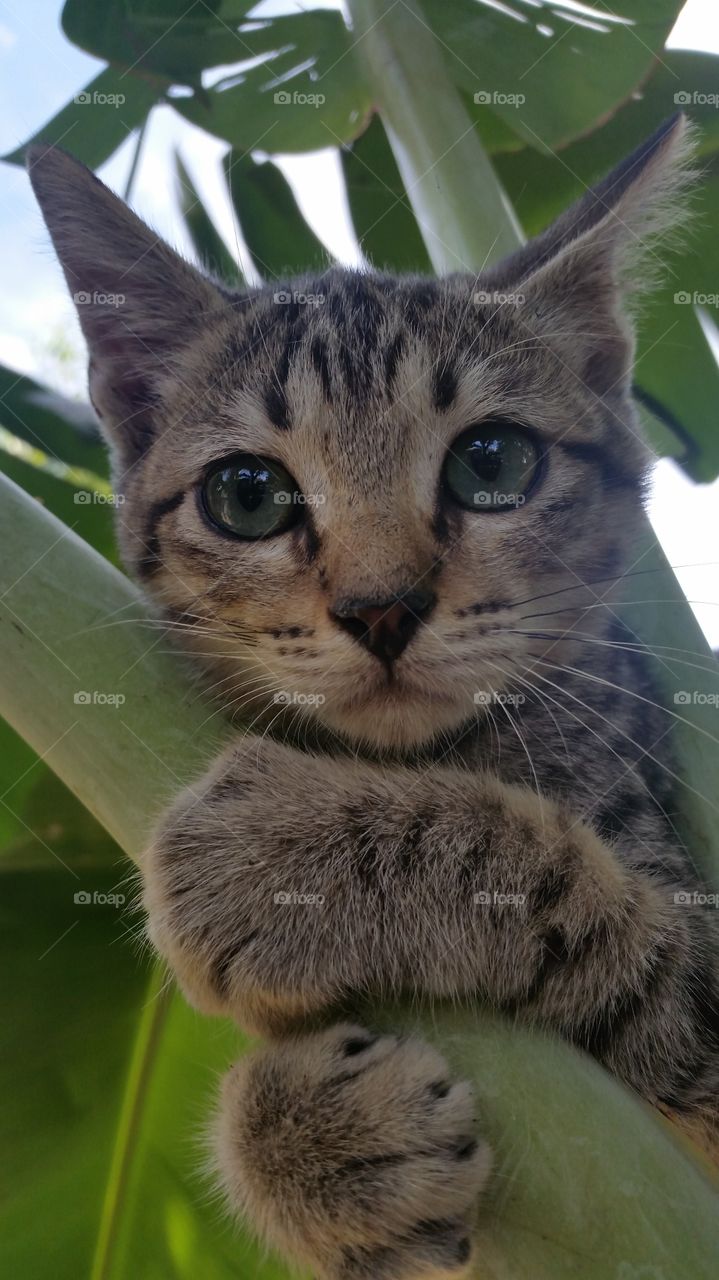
(352, 493)
(423, 447)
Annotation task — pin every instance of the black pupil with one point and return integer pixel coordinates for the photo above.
(251, 487)
(486, 459)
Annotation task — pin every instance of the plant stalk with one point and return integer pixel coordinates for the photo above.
(465, 217)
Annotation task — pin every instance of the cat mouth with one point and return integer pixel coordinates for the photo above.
(394, 687)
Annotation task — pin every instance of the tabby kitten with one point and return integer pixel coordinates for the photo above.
(383, 513)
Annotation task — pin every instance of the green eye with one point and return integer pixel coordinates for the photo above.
(492, 467)
(251, 497)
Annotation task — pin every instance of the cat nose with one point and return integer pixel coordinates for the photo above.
(385, 627)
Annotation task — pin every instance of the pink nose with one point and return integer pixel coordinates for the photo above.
(385, 627)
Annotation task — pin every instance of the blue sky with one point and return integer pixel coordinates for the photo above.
(40, 70)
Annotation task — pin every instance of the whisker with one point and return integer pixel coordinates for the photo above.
(527, 752)
(632, 693)
(642, 650)
(612, 577)
(629, 767)
(613, 604)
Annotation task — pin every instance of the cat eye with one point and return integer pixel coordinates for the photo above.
(493, 466)
(251, 497)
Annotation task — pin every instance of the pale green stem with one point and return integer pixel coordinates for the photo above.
(73, 625)
(465, 217)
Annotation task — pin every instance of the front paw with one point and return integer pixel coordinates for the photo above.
(354, 1154)
(235, 891)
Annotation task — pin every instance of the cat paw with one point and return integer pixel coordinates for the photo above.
(353, 1154)
(229, 895)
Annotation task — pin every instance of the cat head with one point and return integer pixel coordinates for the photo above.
(356, 495)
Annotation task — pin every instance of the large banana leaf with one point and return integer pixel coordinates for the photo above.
(300, 81)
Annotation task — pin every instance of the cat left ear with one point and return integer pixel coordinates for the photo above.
(139, 303)
(577, 280)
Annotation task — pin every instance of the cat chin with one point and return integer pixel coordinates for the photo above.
(396, 723)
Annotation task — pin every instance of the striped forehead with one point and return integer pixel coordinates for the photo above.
(349, 346)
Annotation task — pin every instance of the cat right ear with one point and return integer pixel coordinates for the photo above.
(139, 303)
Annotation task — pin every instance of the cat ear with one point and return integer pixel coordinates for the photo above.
(138, 302)
(577, 281)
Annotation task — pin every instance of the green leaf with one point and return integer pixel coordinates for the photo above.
(307, 92)
(543, 182)
(42, 824)
(87, 510)
(65, 429)
(279, 240)
(109, 1071)
(170, 38)
(675, 366)
(549, 72)
(206, 239)
(159, 1220)
(51, 447)
(99, 118)
(71, 1006)
(382, 215)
